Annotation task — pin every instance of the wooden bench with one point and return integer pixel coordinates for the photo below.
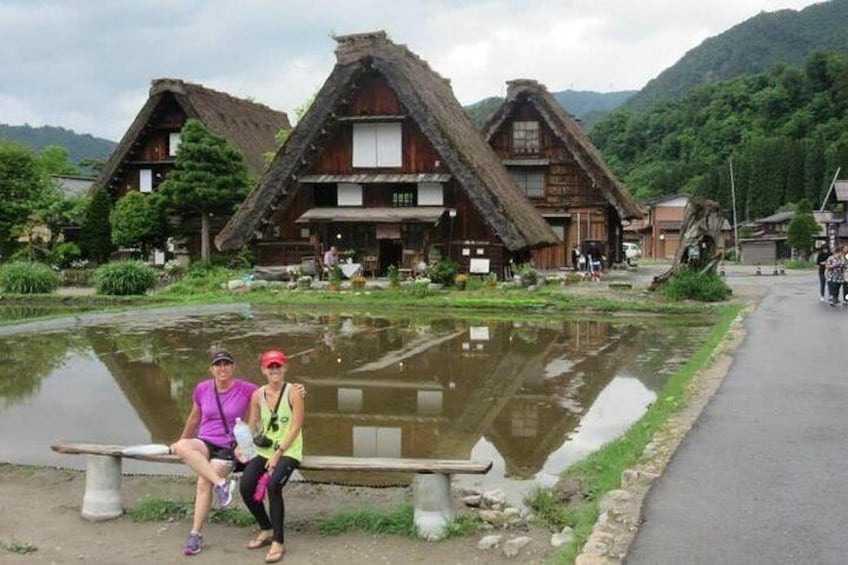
(431, 485)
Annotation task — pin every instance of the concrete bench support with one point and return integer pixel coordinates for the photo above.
(433, 512)
(431, 485)
(102, 499)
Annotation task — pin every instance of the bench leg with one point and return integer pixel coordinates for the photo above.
(433, 512)
(102, 499)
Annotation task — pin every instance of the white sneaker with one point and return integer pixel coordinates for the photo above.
(821, 298)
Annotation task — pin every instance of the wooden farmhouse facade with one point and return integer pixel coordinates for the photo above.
(146, 153)
(386, 166)
(561, 172)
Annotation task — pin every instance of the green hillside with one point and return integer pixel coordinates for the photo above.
(81, 147)
(756, 45)
(786, 132)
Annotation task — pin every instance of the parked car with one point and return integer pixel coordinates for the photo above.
(631, 252)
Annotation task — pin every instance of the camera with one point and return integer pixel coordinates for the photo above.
(261, 440)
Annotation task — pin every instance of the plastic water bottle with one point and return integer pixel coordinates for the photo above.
(261, 486)
(244, 439)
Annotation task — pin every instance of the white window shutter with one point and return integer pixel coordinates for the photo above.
(349, 194)
(173, 143)
(145, 180)
(430, 194)
(364, 145)
(389, 152)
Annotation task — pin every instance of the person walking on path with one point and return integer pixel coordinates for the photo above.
(279, 450)
(835, 273)
(206, 443)
(821, 261)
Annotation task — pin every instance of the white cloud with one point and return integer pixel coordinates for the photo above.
(87, 65)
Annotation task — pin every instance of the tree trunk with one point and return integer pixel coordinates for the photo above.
(700, 233)
(204, 238)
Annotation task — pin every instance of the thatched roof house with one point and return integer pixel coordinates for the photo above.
(150, 142)
(379, 82)
(566, 177)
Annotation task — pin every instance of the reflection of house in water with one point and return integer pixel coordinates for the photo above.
(397, 387)
(548, 408)
(438, 401)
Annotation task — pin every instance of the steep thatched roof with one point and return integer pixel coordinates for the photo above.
(431, 104)
(248, 126)
(575, 140)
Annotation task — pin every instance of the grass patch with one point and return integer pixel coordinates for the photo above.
(19, 547)
(399, 521)
(800, 265)
(155, 509)
(601, 471)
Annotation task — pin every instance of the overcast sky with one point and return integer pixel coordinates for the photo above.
(86, 65)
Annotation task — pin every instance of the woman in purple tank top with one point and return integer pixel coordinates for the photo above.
(207, 441)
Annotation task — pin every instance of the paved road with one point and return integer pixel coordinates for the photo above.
(761, 478)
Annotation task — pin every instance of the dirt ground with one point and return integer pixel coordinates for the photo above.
(41, 507)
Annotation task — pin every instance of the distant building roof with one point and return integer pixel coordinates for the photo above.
(74, 185)
(778, 218)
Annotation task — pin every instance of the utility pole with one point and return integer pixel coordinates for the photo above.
(733, 198)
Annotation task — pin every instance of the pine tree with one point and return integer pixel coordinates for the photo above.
(96, 233)
(209, 178)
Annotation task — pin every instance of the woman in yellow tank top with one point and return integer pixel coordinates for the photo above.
(276, 415)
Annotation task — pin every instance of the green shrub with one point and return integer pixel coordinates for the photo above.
(27, 277)
(443, 272)
(393, 275)
(419, 289)
(527, 274)
(66, 254)
(122, 278)
(691, 285)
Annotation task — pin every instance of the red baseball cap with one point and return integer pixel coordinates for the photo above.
(273, 356)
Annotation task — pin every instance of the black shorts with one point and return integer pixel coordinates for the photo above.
(218, 452)
(224, 454)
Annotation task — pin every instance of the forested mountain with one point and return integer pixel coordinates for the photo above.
(786, 132)
(586, 106)
(756, 45)
(81, 147)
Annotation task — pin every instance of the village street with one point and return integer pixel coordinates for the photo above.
(759, 478)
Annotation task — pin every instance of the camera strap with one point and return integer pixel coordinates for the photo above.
(279, 398)
(221, 413)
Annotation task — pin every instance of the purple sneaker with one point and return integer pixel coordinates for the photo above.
(193, 544)
(224, 493)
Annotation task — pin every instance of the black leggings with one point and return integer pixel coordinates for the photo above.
(282, 472)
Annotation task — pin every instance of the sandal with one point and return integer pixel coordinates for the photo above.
(263, 538)
(275, 556)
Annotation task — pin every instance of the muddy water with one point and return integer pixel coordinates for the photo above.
(532, 395)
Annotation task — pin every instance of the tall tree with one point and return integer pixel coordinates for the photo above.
(802, 229)
(55, 161)
(137, 222)
(95, 231)
(22, 184)
(209, 178)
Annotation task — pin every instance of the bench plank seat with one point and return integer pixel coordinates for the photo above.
(431, 487)
(310, 462)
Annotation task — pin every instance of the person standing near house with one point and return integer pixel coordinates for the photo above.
(206, 443)
(821, 260)
(575, 258)
(331, 257)
(835, 273)
(278, 410)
